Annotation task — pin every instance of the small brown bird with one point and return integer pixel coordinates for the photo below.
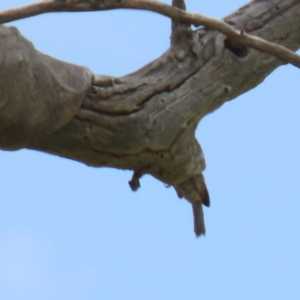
(194, 190)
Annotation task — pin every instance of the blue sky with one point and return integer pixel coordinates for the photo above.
(68, 231)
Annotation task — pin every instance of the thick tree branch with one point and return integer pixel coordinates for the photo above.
(144, 121)
(239, 36)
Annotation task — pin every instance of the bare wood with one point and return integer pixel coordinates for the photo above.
(240, 36)
(144, 121)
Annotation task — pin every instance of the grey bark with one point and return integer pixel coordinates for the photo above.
(144, 121)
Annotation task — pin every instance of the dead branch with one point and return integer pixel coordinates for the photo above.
(144, 121)
(227, 28)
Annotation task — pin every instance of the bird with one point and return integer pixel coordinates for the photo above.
(194, 190)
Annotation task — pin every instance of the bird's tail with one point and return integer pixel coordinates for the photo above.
(195, 191)
(199, 226)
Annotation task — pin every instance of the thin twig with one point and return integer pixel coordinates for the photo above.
(174, 13)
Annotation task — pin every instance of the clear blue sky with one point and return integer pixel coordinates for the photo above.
(68, 231)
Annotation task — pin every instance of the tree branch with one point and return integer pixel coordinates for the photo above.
(238, 36)
(144, 121)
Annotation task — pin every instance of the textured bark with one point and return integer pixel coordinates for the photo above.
(144, 121)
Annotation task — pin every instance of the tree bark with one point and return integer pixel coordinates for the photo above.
(144, 121)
